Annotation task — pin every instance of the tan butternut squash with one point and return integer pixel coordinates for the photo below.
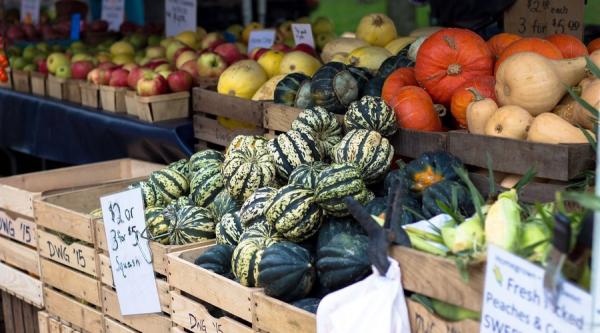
(536, 83)
(510, 121)
(479, 112)
(590, 92)
(510, 181)
(566, 109)
(550, 128)
(595, 57)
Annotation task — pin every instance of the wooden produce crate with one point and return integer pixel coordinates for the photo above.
(113, 99)
(56, 87)
(537, 191)
(131, 105)
(192, 285)
(51, 324)
(38, 83)
(9, 83)
(208, 83)
(209, 105)
(163, 107)
(21, 81)
(79, 315)
(74, 91)
(274, 316)
(90, 94)
(18, 316)
(558, 162)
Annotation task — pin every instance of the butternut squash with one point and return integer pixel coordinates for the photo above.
(510, 121)
(566, 109)
(595, 57)
(479, 112)
(590, 92)
(510, 181)
(550, 128)
(536, 83)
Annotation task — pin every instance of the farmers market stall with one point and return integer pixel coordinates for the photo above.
(64, 132)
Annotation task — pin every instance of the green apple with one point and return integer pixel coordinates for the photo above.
(43, 47)
(30, 68)
(29, 52)
(63, 72)
(154, 40)
(56, 60)
(122, 59)
(122, 48)
(166, 42)
(18, 63)
(172, 49)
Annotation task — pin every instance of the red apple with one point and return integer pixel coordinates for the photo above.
(80, 69)
(192, 68)
(42, 66)
(136, 74)
(180, 81)
(180, 51)
(118, 78)
(155, 63)
(281, 47)
(306, 49)
(229, 52)
(211, 64)
(99, 76)
(257, 52)
(211, 40)
(130, 66)
(184, 57)
(107, 65)
(152, 84)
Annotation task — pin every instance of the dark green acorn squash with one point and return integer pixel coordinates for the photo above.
(308, 304)
(334, 87)
(442, 191)
(217, 259)
(286, 271)
(431, 168)
(377, 206)
(343, 261)
(362, 76)
(333, 226)
(286, 91)
(249, 251)
(394, 62)
(374, 86)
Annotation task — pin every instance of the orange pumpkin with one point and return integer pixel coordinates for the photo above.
(449, 58)
(414, 109)
(399, 78)
(500, 42)
(593, 45)
(531, 44)
(569, 45)
(462, 96)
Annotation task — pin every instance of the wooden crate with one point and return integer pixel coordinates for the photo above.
(90, 94)
(131, 105)
(21, 285)
(43, 321)
(73, 311)
(208, 83)
(78, 285)
(557, 162)
(38, 83)
(113, 99)
(158, 323)
(56, 87)
(112, 326)
(74, 91)
(163, 107)
(21, 81)
(207, 286)
(537, 191)
(9, 83)
(18, 315)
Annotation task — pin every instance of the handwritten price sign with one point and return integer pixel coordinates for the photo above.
(541, 18)
(303, 34)
(180, 15)
(123, 215)
(261, 38)
(30, 11)
(113, 12)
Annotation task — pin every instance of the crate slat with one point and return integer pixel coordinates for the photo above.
(274, 316)
(113, 99)
(279, 117)
(240, 109)
(146, 323)
(20, 256)
(22, 285)
(75, 255)
(43, 322)
(111, 326)
(212, 131)
(19, 229)
(422, 320)
(73, 311)
(72, 282)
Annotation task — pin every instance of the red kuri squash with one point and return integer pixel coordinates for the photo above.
(414, 109)
(462, 97)
(531, 44)
(399, 78)
(569, 45)
(498, 43)
(594, 45)
(449, 58)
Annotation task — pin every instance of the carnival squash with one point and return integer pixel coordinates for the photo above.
(397, 79)
(532, 44)
(463, 96)
(414, 109)
(509, 121)
(569, 45)
(536, 83)
(449, 58)
(550, 128)
(498, 43)
(479, 112)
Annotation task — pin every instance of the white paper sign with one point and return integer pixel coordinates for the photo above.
(303, 34)
(261, 38)
(30, 11)
(514, 299)
(180, 15)
(123, 215)
(113, 12)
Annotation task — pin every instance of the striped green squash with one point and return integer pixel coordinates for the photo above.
(169, 184)
(206, 184)
(337, 182)
(180, 202)
(222, 204)
(291, 149)
(246, 258)
(148, 193)
(367, 150)
(294, 213)
(254, 207)
(157, 225)
(371, 113)
(246, 141)
(181, 166)
(322, 125)
(229, 229)
(203, 158)
(306, 175)
(247, 169)
(191, 224)
(262, 229)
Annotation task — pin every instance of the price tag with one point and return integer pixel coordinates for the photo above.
(113, 12)
(180, 15)
(261, 38)
(540, 18)
(30, 11)
(130, 259)
(303, 34)
(514, 299)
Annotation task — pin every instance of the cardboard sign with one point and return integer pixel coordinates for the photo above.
(30, 11)
(303, 34)
(113, 12)
(540, 18)
(180, 15)
(261, 38)
(514, 299)
(130, 259)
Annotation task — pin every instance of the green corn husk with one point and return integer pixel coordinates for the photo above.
(503, 222)
(468, 235)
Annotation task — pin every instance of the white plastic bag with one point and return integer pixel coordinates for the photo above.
(375, 305)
